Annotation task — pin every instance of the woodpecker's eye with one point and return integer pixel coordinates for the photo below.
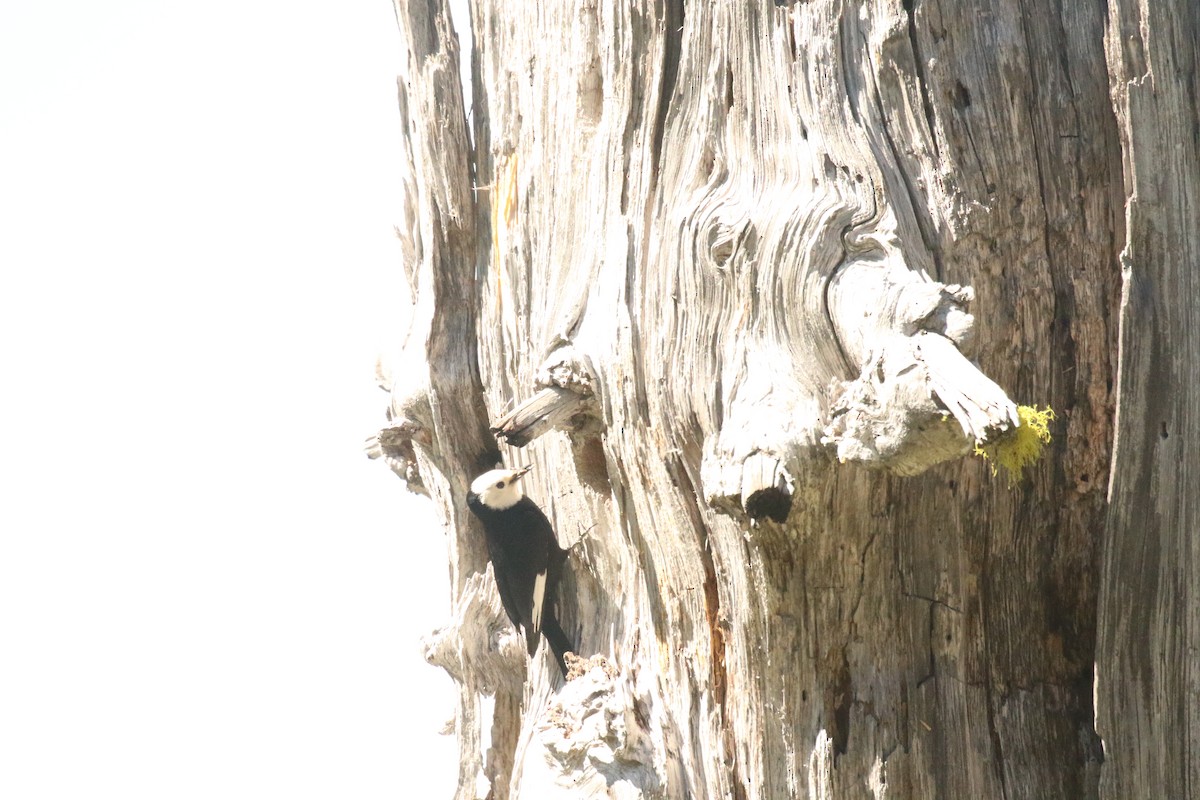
(500, 485)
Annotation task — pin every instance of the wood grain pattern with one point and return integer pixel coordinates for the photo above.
(745, 281)
(1148, 655)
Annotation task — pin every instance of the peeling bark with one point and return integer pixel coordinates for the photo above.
(747, 281)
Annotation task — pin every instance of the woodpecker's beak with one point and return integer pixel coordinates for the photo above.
(522, 472)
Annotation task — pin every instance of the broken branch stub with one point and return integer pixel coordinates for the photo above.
(395, 444)
(550, 408)
(766, 489)
(565, 400)
(772, 428)
(914, 406)
(899, 414)
(410, 419)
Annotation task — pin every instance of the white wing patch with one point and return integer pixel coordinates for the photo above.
(539, 594)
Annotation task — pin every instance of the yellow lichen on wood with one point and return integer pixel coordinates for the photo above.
(505, 200)
(1018, 448)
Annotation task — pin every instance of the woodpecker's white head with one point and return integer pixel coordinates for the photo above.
(500, 488)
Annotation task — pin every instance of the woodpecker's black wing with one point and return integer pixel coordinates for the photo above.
(501, 570)
(529, 546)
(508, 596)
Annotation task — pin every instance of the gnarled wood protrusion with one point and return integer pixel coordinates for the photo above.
(902, 331)
(600, 736)
(905, 331)
(410, 420)
(773, 428)
(395, 445)
(918, 403)
(478, 640)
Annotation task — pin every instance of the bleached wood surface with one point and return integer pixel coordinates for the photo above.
(745, 281)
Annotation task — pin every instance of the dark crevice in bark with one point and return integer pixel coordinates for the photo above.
(932, 601)
(627, 513)
(1064, 343)
(846, 31)
(862, 575)
(989, 593)
(996, 742)
(632, 307)
(987, 181)
(931, 669)
(922, 77)
(839, 696)
(672, 49)
(920, 216)
(716, 629)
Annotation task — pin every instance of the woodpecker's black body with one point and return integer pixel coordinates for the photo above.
(526, 558)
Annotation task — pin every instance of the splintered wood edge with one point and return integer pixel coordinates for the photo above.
(886, 419)
(978, 404)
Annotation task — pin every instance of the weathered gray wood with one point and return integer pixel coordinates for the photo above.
(1148, 656)
(763, 246)
(438, 429)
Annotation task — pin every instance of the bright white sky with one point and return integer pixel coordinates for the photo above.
(206, 590)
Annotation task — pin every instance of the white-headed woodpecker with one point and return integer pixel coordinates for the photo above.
(526, 558)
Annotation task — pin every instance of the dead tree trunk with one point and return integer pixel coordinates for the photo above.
(744, 281)
(1148, 653)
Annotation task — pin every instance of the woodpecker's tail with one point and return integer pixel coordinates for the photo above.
(532, 636)
(557, 639)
